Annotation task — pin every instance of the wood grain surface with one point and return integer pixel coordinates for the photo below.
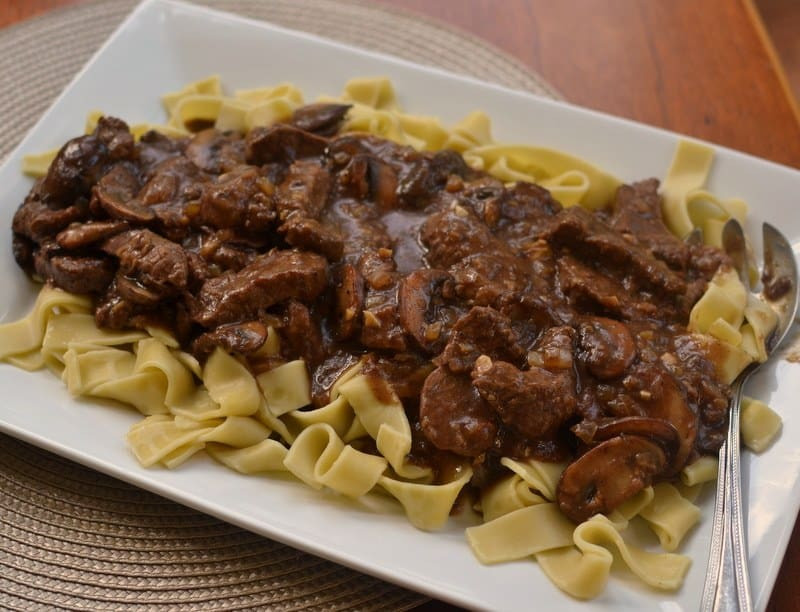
(706, 69)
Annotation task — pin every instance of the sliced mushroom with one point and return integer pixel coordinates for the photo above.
(282, 143)
(421, 308)
(658, 430)
(349, 301)
(79, 235)
(454, 416)
(663, 399)
(607, 475)
(323, 119)
(606, 347)
(115, 193)
(136, 293)
(240, 338)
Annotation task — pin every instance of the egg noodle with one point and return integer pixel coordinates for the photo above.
(257, 424)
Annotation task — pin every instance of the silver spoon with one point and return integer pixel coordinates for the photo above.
(727, 585)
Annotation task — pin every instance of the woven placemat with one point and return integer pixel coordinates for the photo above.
(71, 538)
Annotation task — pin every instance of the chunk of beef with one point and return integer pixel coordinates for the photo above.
(271, 278)
(236, 201)
(242, 338)
(219, 251)
(83, 160)
(482, 331)
(216, 152)
(153, 261)
(590, 291)
(490, 279)
(23, 250)
(81, 235)
(302, 336)
(281, 143)
(323, 119)
(535, 402)
(37, 221)
(380, 328)
(637, 214)
(555, 349)
(576, 230)
(454, 416)
(74, 273)
(453, 234)
(304, 190)
(311, 235)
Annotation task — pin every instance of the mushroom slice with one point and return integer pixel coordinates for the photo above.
(606, 347)
(321, 118)
(240, 338)
(349, 287)
(658, 430)
(116, 191)
(79, 235)
(607, 475)
(420, 306)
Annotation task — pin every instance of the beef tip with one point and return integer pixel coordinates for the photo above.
(323, 119)
(304, 190)
(281, 143)
(37, 221)
(453, 234)
(155, 262)
(83, 160)
(587, 237)
(518, 213)
(242, 338)
(381, 327)
(349, 301)
(606, 347)
(637, 214)
(610, 473)
(535, 402)
(490, 279)
(80, 235)
(175, 178)
(115, 192)
(236, 201)
(271, 278)
(424, 311)
(453, 416)
(482, 331)
(311, 235)
(302, 336)
(76, 274)
(590, 291)
(216, 152)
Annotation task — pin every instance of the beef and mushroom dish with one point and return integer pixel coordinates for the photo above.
(507, 325)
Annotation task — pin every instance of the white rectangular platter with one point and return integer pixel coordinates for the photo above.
(165, 44)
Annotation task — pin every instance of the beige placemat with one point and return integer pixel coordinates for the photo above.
(71, 538)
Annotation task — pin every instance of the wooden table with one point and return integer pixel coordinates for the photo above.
(706, 69)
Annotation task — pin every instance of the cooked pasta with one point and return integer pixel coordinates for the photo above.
(359, 442)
